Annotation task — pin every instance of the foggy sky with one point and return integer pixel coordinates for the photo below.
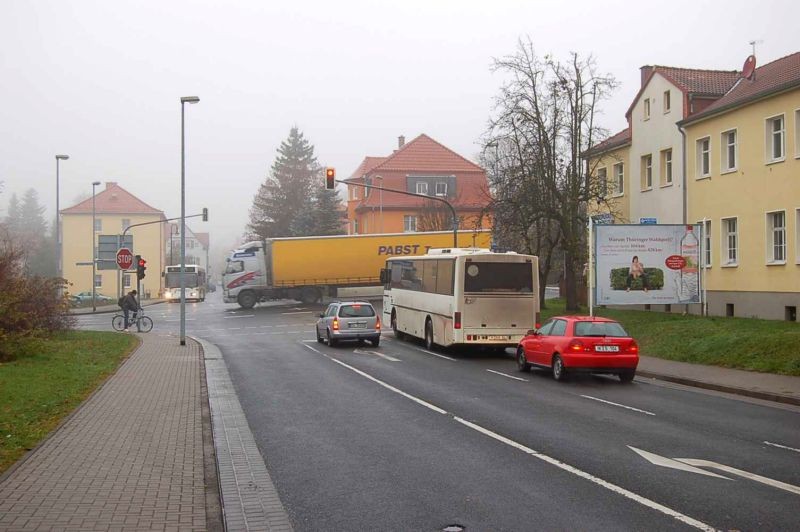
(101, 81)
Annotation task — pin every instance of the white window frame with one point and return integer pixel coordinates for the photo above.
(126, 280)
(647, 108)
(421, 187)
(98, 280)
(726, 235)
(409, 223)
(436, 188)
(98, 225)
(619, 179)
(769, 137)
(701, 157)
(771, 242)
(603, 180)
(647, 172)
(355, 226)
(725, 143)
(667, 167)
(353, 192)
(667, 101)
(707, 252)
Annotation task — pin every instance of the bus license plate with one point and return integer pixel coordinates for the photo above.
(606, 348)
(497, 337)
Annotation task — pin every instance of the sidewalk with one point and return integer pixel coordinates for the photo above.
(111, 307)
(778, 388)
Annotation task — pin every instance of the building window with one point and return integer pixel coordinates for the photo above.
(730, 242)
(422, 188)
(776, 150)
(729, 148)
(441, 189)
(353, 193)
(98, 225)
(667, 102)
(98, 280)
(666, 167)
(125, 223)
(706, 243)
(354, 228)
(703, 157)
(409, 223)
(619, 178)
(647, 109)
(126, 280)
(776, 237)
(647, 172)
(602, 182)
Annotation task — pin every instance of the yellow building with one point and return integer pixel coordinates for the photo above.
(609, 165)
(743, 182)
(115, 209)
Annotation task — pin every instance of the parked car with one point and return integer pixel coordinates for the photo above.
(566, 344)
(349, 320)
(84, 297)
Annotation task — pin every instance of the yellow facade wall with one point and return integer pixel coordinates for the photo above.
(369, 222)
(149, 242)
(748, 193)
(619, 205)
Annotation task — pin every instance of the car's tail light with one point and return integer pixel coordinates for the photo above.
(457, 321)
(377, 323)
(633, 347)
(335, 325)
(576, 346)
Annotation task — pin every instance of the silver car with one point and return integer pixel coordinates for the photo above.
(349, 320)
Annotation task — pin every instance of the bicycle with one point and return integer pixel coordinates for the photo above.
(143, 323)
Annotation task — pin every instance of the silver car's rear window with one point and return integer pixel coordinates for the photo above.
(356, 311)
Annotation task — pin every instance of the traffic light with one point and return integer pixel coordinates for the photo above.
(205, 214)
(330, 178)
(141, 266)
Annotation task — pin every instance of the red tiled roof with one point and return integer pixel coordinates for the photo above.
(113, 200)
(691, 81)
(365, 167)
(777, 76)
(614, 141)
(423, 154)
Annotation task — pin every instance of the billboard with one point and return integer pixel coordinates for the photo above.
(647, 264)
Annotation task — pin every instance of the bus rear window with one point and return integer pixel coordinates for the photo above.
(506, 277)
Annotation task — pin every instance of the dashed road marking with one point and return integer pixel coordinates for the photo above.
(507, 376)
(617, 404)
(778, 445)
(451, 359)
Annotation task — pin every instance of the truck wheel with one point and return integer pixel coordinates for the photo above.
(246, 299)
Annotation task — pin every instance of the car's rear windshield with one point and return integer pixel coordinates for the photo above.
(600, 328)
(356, 311)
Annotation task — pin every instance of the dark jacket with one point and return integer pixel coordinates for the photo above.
(129, 303)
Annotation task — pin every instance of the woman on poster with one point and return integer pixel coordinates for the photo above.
(635, 271)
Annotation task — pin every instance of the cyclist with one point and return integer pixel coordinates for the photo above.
(130, 304)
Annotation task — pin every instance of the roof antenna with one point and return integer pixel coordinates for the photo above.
(754, 43)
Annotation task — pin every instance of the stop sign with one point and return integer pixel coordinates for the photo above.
(124, 259)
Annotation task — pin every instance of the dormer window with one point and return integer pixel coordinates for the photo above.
(422, 188)
(441, 189)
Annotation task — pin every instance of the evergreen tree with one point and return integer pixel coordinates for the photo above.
(34, 225)
(329, 213)
(285, 193)
(14, 216)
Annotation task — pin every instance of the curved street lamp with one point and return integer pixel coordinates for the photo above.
(184, 100)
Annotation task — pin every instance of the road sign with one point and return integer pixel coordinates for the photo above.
(107, 247)
(648, 220)
(124, 259)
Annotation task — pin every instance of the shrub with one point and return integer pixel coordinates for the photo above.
(619, 279)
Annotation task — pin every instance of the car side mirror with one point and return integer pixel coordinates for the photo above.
(322, 315)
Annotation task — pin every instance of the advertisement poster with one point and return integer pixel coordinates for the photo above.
(647, 264)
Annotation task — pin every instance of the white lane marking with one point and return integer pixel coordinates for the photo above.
(507, 376)
(663, 461)
(752, 476)
(223, 329)
(265, 326)
(233, 329)
(286, 325)
(187, 319)
(251, 327)
(617, 404)
(783, 446)
(301, 312)
(378, 381)
(234, 317)
(561, 465)
(435, 354)
(365, 352)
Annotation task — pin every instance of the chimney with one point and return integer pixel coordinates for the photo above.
(401, 141)
(645, 70)
(110, 184)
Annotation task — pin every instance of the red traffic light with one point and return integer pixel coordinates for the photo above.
(142, 262)
(330, 178)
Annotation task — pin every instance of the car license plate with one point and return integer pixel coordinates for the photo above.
(606, 348)
(497, 337)
(357, 325)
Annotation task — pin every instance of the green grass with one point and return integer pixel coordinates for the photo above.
(47, 379)
(742, 343)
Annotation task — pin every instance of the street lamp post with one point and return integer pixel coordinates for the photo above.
(94, 252)
(184, 100)
(59, 158)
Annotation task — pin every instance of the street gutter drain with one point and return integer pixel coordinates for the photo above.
(453, 528)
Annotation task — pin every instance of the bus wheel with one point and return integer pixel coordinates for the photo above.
(246, 299)
(397, 334)
(429, 335)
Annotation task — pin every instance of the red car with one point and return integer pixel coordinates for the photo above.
(580, 343)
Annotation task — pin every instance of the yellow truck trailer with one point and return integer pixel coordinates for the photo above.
(306, 268)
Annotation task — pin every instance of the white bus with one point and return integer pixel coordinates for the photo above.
(195, 284)
(462, 297)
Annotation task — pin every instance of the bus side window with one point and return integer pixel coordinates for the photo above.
(444, 280)
(429, 277)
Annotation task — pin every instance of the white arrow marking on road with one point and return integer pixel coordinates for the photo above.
(672, 464)
(364, 352)
(782, 446)
(617, 404)
(733, 471)
(507, 376)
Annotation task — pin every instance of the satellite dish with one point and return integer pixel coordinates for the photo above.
(749, 67)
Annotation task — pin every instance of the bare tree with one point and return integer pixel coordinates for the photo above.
(544, 122)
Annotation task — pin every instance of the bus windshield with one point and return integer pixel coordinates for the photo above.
(173, 280)
(493, 277)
